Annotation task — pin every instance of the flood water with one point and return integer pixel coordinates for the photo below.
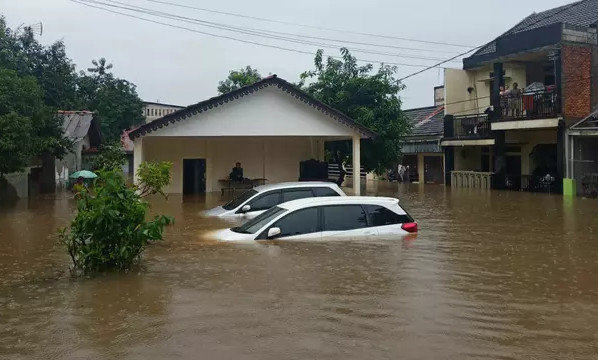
(493, 275)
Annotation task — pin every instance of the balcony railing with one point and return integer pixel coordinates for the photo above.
(529, 105)
(471, 179)
(471, 126)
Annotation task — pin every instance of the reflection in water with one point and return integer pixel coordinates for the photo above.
(490, 275)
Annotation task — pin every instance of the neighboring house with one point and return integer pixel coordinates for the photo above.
(422, 151)
(84, 130)
(155, 110)
(502, 136)
(582, 157)
(128, 147)
(269, 127)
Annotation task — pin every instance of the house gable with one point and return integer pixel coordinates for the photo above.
(270, 107)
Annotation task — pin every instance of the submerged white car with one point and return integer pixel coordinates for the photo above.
(325, 218)
(261, 198)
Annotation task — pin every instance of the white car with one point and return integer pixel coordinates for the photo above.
(261, 198)
(345, 217)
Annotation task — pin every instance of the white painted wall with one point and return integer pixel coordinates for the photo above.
(268, 112)
(276, 159)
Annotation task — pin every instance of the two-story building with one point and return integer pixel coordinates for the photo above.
(155, 110)
(508, 108)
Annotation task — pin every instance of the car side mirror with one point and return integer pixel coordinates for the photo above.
(272, 232)
(246, 208)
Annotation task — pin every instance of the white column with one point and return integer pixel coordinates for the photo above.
(137, 156)
(356, 165)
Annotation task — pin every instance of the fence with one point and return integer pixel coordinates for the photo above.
(471, 179)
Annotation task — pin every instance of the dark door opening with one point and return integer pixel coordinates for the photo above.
(513, 180)
(194, 176)
(433, 170)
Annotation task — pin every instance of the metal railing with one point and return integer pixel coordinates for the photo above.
(471, 126)
(471, 179)
(528, 106)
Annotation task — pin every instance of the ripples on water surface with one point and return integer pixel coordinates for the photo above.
(490, 275)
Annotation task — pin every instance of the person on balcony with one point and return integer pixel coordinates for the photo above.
(514, 96)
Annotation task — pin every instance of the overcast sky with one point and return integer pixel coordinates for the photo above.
(177, 66)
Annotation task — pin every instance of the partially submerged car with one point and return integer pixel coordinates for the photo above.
(261, 198)
(326, 218)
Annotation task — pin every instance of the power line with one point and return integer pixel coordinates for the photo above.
(467, 52)
(306, 25)
(81, 2)
(309, 36)
(246, 31)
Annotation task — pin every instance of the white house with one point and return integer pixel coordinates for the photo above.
(84, 130)
(269, 127)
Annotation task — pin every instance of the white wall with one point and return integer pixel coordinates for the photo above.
(276, 159)
(268, 112)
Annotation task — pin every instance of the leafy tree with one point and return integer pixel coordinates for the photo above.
(238, 78)
(110, 231)
(114, 100)
(14, 142)
(100, 67)
(110, 157)
(370, 98)
(28, 128)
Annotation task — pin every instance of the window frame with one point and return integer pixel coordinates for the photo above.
(259, 195)
(370, 223)
(367, 217)
(326, 188)
(305, 188)
(319, 226)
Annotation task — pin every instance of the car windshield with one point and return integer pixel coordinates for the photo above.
(234, 203)
(255, 224)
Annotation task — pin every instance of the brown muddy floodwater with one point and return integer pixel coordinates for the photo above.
(492, 275)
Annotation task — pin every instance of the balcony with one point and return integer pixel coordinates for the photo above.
(530, 105)
(471, 127)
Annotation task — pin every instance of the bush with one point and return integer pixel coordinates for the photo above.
(110, 230)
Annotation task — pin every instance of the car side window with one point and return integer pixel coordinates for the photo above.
(265, 201)
(325, 191)
(381, 216)
(294, 194)
(300, 222)
(344, 217)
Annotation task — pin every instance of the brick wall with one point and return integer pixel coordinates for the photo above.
(576, 86)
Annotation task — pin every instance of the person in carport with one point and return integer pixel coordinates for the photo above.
(236, 173)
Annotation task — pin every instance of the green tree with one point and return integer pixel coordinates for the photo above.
(370, 98)
(28, 128)
(110, 231)
(110, 157)
(238, 78)
(114, 100)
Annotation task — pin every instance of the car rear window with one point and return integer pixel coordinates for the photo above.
(344, 217)
(381, 216)
(294, 194)
(325, 191)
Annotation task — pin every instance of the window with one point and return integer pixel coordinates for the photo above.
(344, 217)
(255, 224)
(239, 200)
(325, 191)
(294, 194)
(265, 201)
(300, 222)
(381, 216)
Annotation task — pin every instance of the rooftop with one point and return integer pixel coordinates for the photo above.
(581, 13)
(426, 121)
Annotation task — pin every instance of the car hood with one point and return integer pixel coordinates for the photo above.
(217, 211)
(229, 235)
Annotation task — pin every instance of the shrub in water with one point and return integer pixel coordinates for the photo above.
(110, 230)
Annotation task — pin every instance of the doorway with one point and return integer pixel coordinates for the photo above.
(433, 170)
(194, 176)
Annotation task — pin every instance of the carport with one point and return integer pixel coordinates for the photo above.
(269, 127)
